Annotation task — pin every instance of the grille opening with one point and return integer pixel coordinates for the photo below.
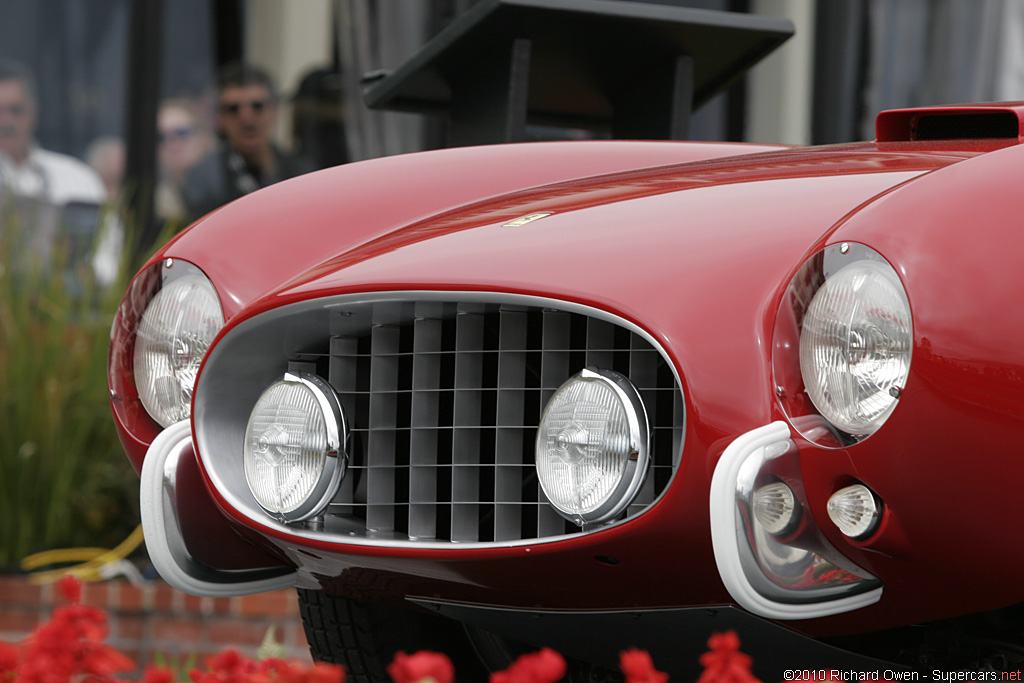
(443, 411)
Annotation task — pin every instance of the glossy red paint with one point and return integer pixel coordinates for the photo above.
(328, 212)
(947, 458)
(697, 250)
(740, 248)
(256, 246)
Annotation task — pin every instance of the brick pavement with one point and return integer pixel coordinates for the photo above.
(157, 619)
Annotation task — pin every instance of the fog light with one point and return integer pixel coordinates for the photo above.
(293, 447)
(775, 508)
(592, 446)
(855, 510)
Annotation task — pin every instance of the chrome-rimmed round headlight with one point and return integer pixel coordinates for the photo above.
(293, 451)
(855, 345)
(593, 446)
(173, 335)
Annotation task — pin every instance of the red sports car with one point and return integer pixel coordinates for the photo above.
(600, 395)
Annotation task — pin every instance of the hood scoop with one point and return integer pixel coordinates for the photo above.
(974, 122)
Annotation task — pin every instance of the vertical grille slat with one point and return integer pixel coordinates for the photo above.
(643, 372)
(442, 400)
(600, 336)
(343, 375)
(381, 457)
(466, 447)
(425, 420)
(555, 370)
(509, 440)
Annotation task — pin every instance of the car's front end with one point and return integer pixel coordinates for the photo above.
(588, 397)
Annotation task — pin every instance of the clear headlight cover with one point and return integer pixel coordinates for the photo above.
(292, 452)
(855, 346)
(592, 446)
(173, 336)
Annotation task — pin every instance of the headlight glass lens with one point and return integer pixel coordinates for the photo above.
(592, 446)
(855, 346)
(173, 335)
(292, 447)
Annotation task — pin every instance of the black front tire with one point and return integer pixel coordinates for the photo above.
(364, 637)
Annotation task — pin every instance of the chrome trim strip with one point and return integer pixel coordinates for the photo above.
(729, 553)
(164, 542)
(207, 394)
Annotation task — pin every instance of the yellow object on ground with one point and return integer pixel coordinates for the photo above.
(95, 564)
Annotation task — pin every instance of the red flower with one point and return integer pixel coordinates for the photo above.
(421, 667)
(70, 588)
(9, 657)
(229, 667)
(157, 674)
(639, 668)
(546, 666)
(725, 663)
(322, 672)
(70, 645)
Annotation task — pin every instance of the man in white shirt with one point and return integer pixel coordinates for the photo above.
(48, 179)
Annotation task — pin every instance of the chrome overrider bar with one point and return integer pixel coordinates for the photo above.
(167, 549)
(798, 575)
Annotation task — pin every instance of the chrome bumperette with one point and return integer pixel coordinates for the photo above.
(442, 393)
(762, 572)
(164, 541)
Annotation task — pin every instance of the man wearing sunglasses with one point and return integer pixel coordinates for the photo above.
(247, 158)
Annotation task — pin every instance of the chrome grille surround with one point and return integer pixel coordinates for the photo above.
(443, 392)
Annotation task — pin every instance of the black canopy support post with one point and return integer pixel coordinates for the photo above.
(489, 108)
(667, 91)
(840, 61)
(145, 36)
(228, 29)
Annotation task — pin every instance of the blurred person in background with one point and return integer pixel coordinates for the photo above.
(27, 170)
(184, 139)
(318, 127)
(51, 192)
(247, 158)
(106, 156)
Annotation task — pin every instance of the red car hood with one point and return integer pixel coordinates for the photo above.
(422, 216)
(650, 245)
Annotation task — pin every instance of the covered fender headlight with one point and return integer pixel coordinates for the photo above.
(843, 341)
(177, 326)
(293, 453)
(855, 346)
(592, 446)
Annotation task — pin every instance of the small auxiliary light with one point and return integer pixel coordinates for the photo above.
(855, 510)
(775, 508)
